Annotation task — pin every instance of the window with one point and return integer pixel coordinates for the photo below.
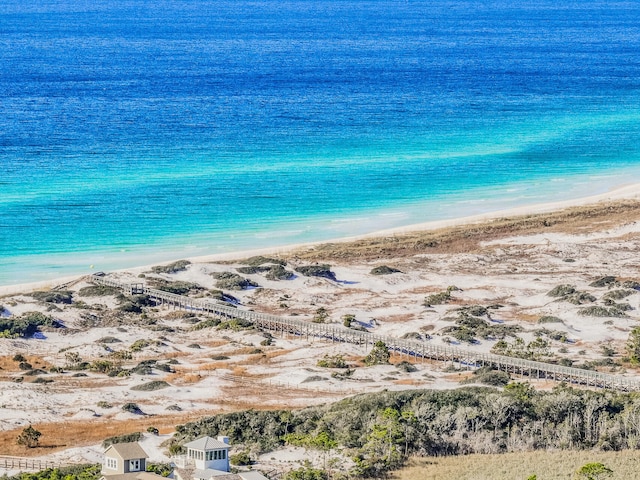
(112, 463)
(134, 465)
(219, 454)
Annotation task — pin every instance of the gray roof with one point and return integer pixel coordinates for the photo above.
(206, 443)
(128, 451)
(149, 476)
(215, 474)
(252, 476)
(134, 476)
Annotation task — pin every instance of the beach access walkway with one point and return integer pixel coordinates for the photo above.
(466, 359)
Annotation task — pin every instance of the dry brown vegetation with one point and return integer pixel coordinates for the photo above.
(467, 238)
(554, 465)
(57, 436)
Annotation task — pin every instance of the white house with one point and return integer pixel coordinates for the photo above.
(206, 459)
(207, 455)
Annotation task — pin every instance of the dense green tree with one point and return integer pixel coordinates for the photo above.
(379, 354)
(633, 345)
(29, 437)
(321, 315)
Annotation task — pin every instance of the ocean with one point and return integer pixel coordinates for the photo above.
(134, 132)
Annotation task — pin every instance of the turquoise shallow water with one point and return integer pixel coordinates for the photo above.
(135, 132)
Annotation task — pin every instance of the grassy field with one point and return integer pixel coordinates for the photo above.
(520, 466)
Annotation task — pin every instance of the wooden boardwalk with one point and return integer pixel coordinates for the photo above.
(418, 349)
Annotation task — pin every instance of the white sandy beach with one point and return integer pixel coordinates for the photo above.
(225, 370)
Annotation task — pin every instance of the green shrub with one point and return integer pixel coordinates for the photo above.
(103, 366)
(579, 298)
(379, 355)
(125, 438)
(240, 458)
(108, 340)
(549, 319)
(278, 272)
(384, 270)
(306, 473)
(236, 324)
(232, 281)
(332, 361)
(139, 345)
(320, 316)
(209, 323)
(314, 378)
(151, 386)
(29, 437)
(321, 270)
(174, 267)
(252, 270)
(26, 324)
(260, 260)
(162, 469)
(405, 366)
(177, 287)
(132, 408)
(103, 404)
(562, 291)
(348, 319)
(488, 376)
(43, 380)
(618, 294)
(597, 311)
(607, 281)
(413, 336)
(164, 367)
(54, 296)
(130, 307)
(98, 291)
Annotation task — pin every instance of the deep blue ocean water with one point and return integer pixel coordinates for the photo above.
(136, 131)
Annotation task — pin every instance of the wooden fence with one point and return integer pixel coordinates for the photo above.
(26, 464)
(418, 349)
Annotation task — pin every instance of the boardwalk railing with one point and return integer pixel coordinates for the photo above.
(30, 464)
(466, 358)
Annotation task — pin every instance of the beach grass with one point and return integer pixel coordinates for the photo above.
(469, 237)
(546, 465)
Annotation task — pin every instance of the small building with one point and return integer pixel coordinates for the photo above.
(205, 454)
(206, 459)
(126, 461)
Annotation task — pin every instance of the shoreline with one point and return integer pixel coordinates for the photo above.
(623, 192)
